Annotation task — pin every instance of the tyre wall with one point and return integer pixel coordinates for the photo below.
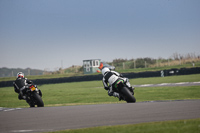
(171, 72)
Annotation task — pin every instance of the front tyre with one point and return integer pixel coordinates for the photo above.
(38, 100)
(127, 95)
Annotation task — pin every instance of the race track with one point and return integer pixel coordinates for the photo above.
(72, 117)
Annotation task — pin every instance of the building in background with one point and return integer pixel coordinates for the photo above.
(91, 66)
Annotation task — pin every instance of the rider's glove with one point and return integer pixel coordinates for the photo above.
(106, 88)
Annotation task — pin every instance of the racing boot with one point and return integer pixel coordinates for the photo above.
(115, 94)
(21, 94)
(21, 97)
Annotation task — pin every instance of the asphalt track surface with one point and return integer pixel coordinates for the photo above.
(82, 116)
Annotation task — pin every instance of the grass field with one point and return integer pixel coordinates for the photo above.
(92, 92)
(180, 126)
(168, 79)
(120, 70)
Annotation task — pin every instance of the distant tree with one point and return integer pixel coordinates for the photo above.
(118, 62)
(175, 56)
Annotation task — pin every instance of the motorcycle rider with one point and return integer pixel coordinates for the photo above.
(111, 78)
(20, 85)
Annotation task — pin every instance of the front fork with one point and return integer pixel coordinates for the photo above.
(40, 93)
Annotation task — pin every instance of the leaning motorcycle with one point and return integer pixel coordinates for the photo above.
(34, 96)
(124, 93)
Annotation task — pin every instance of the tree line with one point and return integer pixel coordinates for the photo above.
(175, 59)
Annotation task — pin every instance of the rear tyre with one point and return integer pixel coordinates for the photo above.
(38, 100)
(30, 102)
(127, 95)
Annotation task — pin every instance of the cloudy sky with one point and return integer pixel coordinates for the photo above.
(48, 34)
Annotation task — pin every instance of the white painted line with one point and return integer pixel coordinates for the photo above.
(196, 82)
(182, 83)
(147, 85)
(9, 109)
(21, 131)
(165, 84)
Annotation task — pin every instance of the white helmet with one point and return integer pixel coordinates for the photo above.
(20, 74)
(105, 70)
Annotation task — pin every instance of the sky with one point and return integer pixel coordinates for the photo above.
(49, 34)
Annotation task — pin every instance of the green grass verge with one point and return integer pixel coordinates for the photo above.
(33, 77)
(92, 92)
(179, 126)
(160, 68)
(168, 79)
(120, 70)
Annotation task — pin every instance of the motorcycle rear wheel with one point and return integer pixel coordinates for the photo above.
(38, 100)
(128, 96)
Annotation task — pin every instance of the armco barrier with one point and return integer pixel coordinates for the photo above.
(182, 71)
(57, 80)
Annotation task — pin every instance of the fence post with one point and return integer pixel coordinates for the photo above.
(157, 63)
(134, 64)
(168, 63)
(123, 65)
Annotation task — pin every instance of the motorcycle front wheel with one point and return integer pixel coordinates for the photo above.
(38, 100)
(127, 95)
